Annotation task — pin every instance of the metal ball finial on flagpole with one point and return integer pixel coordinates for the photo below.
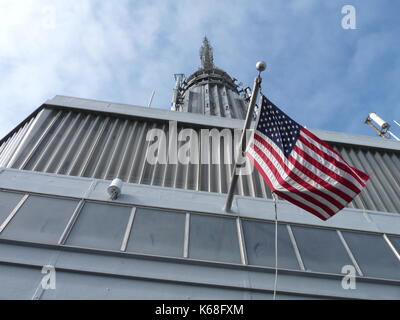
(260, 66)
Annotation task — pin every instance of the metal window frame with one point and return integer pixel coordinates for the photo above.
(291, 237)
(186, 236)
(25, 198)
(391, 246)
(295, 247)
(342, 240)
(71, 222)
(40, 194)
(14, 212)
(82, 202)
(183, 211)
(348, 250)
(242, 250)
(238, 219)
(131, 220)
(22, 193)
(242, 244)
(128, 230)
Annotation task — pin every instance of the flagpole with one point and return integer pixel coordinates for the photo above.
(260, 66)
(276, 243)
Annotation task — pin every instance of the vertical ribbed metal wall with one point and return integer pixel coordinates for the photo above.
(214, 100)
(105, 147)
(11, 144)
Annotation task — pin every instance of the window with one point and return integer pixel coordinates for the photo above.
(373, 255)
(157, 232)
(100, 226)
(8, 201)
(321, 249)
(40, 219)
(213, 238)
(260, 245)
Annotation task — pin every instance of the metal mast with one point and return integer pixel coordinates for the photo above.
(207, 55)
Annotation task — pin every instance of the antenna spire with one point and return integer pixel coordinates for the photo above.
(206, 55)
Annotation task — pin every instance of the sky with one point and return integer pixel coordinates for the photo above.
(322, 75)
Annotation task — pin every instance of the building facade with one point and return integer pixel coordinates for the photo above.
(166, 236)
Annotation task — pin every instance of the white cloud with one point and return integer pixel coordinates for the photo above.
(122, 50)
(81, 48)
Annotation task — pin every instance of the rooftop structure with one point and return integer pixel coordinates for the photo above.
(166, 236)
(210, 90)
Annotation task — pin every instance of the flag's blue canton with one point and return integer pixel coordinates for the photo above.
(277, 126)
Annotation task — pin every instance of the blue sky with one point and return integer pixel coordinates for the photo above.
(325, 77)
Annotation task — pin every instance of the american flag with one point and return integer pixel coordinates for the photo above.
(301, 168)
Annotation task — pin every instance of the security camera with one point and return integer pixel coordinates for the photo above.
(384, 126)
(114, 189)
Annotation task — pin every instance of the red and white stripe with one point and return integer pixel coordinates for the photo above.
(314, 176)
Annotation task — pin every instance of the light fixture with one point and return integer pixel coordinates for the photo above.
(115, 188)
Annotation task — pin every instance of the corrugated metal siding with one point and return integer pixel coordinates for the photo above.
(214, 99)
(382, 191)
(105, 147)
(8, 147)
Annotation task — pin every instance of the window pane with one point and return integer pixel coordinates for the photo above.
(40, 219)
(260, 245)
(213, 238)
(321, 249)
(157, 232)
(8, 202)
(100, 226)
(396, 242)
(373, 255)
